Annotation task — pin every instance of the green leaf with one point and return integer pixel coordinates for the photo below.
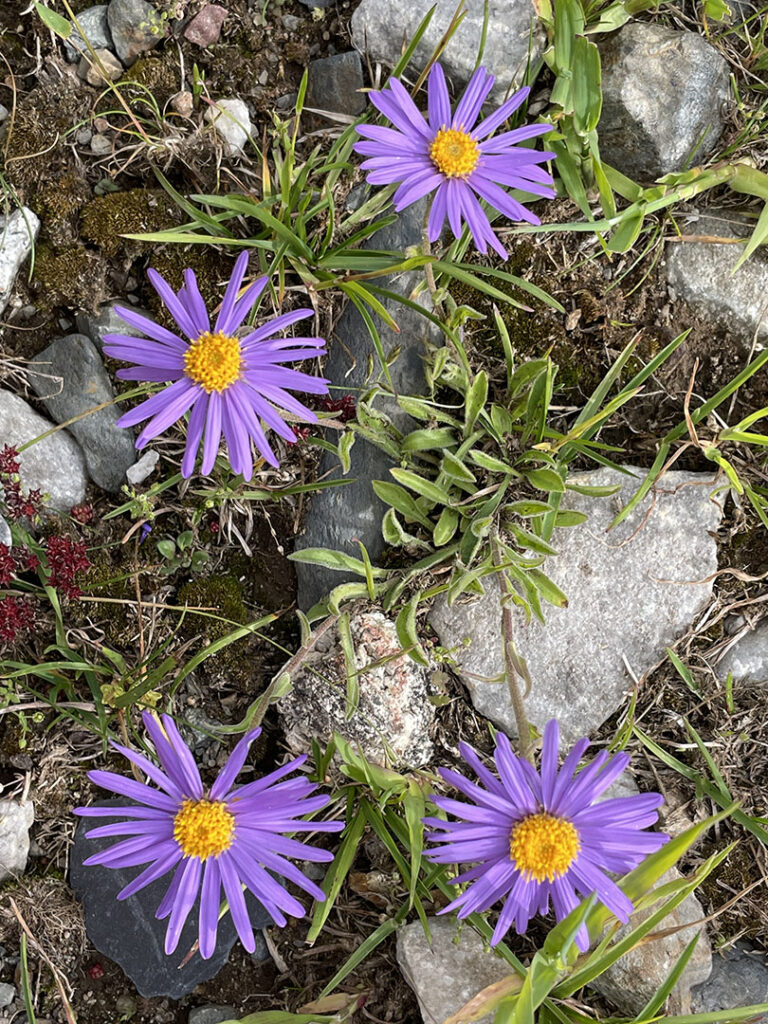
(527, 509)
(424, 488)
(426, 440)
(445, 527)
(489, 462)
(407, 634)
(530, 541)
(167, 548)
(337, 872)
(545, 480)
(684, 672)
(551, 593)
(585, 87)
(569, 517)
(334, 560)
(594, 491)
(455, 469)
(475, 401)
(54, 21)
(398, 498)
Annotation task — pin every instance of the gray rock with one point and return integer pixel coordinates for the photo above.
(747, 660)
(663, 94)
(83, 136)
(55, 466)
(211, 1014)
(5, 533)
(106, 321)
(7, 994)
(144, 467)
(17, 235)
(334, 84)
(702, 274)
(233, 124)
(447, 974)
(322, 4)
(513, 31)
(136, 27)
(15, 822)
(338, 515)
(4, 113)
(101, 145)
(90, 71)
(93, 22)
(631, 593)
(130, 934)
(393, 714)
(631, 981)
(739, 978)
(82, 384)
(291, 22)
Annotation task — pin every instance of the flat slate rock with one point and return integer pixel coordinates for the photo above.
(128, 931)
(702, 273)
(514, 35)
(664, 92)
(79, 383)
(93, 22)
(447, 974)
(339, 515)
(106, 321)
(631, 593)
(55, 466)
(136, 26)
(739, 978)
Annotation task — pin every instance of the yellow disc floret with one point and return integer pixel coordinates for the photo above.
(203, 828)
(543, 846)
(213, 361)
(454, 152)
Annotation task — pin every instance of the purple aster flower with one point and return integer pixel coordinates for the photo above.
(224, 837)
(536, 835)
(227, 383)
(450, 155)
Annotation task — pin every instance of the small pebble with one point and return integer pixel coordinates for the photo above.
(264, 77)
(91, 72)
(183, 103)
(140, 470)
(232, 123)
(205, 27)
(291, 22)
(7, 994)
(101, 145)
(286, 101)
(101, 124)
(4, 112)
(83, 136)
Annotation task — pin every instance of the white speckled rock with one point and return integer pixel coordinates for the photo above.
(513, 29)
(702, 274)
(631, 981)
(393, 714)
(15, 822)
(232, 123)
(17, 235)
(447, 974)
(631, 593)
(55, 466)
(663, 97)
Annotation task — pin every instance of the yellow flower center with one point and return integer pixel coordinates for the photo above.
(543, 846)
(203, 828)
(213, 361)
(454, 152)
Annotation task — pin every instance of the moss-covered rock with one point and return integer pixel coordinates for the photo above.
(137, 211)
(69, 275)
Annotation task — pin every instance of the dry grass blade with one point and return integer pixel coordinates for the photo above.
(57, 975)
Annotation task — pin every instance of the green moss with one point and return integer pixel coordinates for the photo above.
(138, 211)
(157, 73)
(59, 201)
(223, 593)
(69, 275)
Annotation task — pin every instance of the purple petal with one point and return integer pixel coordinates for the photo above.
(212, 433)
(470, 104)
(438, 100)
(183, 388)
(151, 874)
(234, 893)
(172, 303)
(184, 757)
(245, 304)
(226, 778)
(188, 887)
(175, 407)
(194, 435)
(194, 304)
(137, 791)
(230, 295)
(498, 117)
(209, 908)
(148, 327)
